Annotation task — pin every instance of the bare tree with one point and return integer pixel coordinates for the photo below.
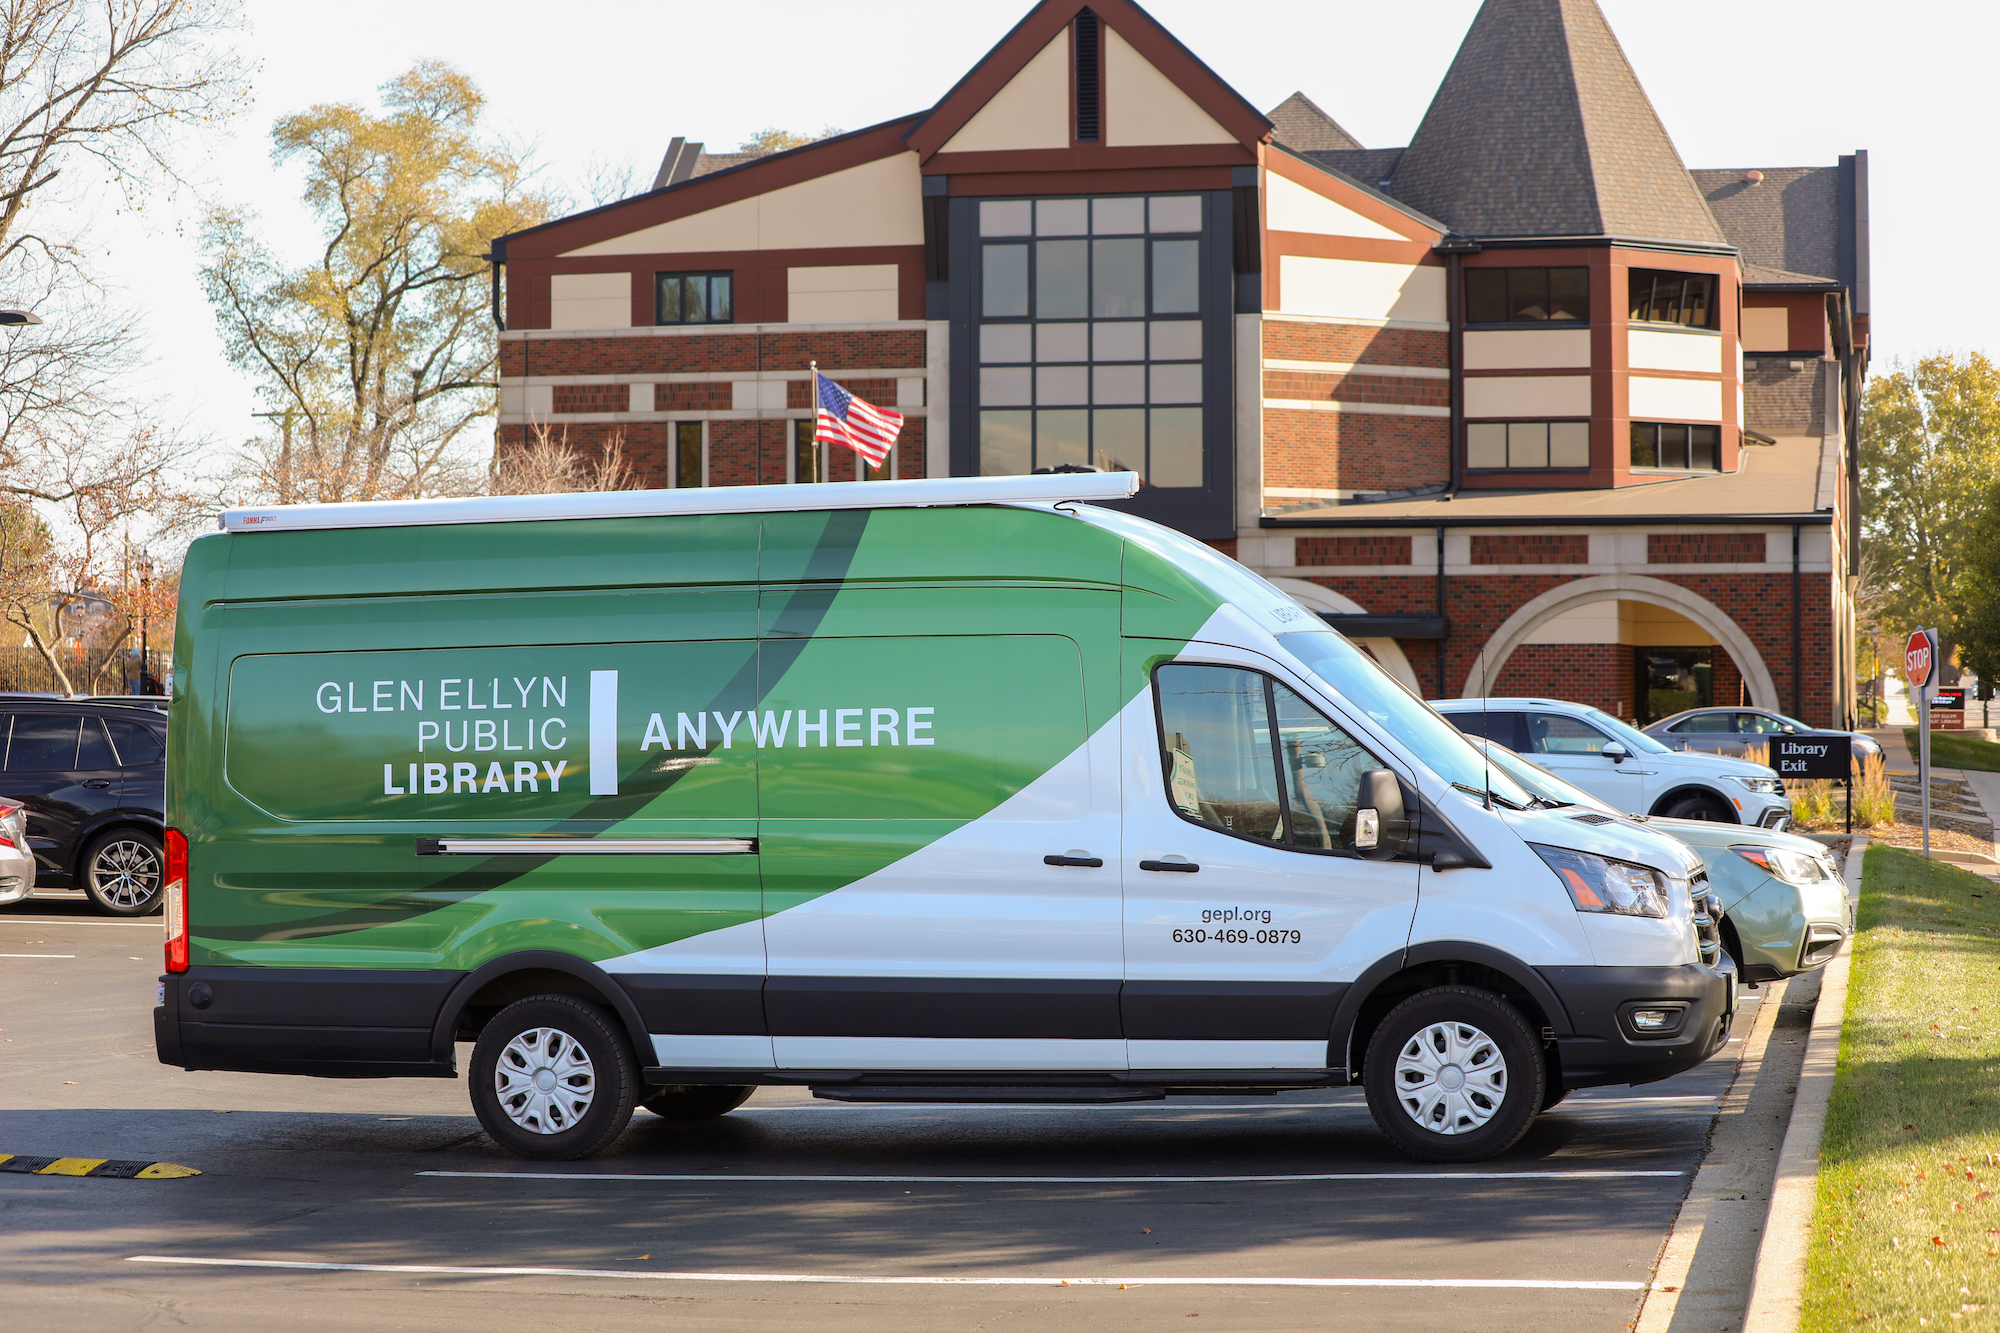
(549, 465)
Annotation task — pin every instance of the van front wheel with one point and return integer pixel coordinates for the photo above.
(553, 1079)
(1454, 1074)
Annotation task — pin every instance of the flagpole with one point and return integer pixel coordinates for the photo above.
(812, 405)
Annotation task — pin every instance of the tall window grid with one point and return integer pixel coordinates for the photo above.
(1676, 447)
(687, 462)
(1527, 295)
(1663, 297)
(694, 298)
(1527, 444)
(1090, 337)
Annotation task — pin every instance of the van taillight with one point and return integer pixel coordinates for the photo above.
(176, 911)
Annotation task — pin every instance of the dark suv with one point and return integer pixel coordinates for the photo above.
(92, 776)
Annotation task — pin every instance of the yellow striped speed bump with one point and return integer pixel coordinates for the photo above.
(99, 1167)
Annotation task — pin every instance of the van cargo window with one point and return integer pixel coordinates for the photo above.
(1216, 737)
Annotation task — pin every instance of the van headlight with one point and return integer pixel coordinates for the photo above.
(1764, 786)
(1784, 863)
(1599, 884)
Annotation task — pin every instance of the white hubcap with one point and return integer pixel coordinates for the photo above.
(1451, 1078)
(545, 1081)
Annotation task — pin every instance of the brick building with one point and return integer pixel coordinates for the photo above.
(1525, 406)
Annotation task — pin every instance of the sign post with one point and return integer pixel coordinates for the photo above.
(1919, 669)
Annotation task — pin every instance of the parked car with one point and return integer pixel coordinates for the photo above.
(17, 863)
(91, 778)
(1734, 730)
(1782, 903)
(1623, 766)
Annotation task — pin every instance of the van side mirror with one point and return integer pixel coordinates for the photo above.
(1615, 751)
(1381, 829)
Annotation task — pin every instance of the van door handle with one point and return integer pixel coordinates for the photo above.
(1090, 862)
(1182, 867)
(97, 782)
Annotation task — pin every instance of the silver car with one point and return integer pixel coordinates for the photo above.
(1734, 730)
(17, 862)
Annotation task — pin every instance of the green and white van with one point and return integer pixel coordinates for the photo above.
(930, 790)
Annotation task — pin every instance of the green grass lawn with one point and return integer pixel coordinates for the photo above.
(1949, 749)
(1905, 1234)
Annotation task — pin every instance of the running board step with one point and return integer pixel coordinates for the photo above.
(873, 1093)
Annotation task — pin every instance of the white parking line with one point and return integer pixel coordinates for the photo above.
(37, 955)
(1060, 1180)
(467, 1270)
(152, 924)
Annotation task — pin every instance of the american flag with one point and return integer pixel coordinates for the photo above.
(854, 423)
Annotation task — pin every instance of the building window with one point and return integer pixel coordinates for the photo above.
(695, 298)
(1090, 336)
(1527, 444)
(812, 461)
(690, 458)
(1679, 448)
(1663, 297)
(1526, 295)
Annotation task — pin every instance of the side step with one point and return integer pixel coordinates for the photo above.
(875, 1093)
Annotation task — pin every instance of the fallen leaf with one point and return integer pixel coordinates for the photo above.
(69, 1083)
(1938, 1241)
(637, 1257)
(1065, 1282)
(1147, 1231)
(1982, 1196)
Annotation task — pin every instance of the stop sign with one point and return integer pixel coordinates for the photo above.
(1918, 659)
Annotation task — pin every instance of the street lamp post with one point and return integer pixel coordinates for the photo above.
(145, 621)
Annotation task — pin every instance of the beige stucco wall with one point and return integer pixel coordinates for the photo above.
(1143, 106)
(876, 203)
(1528, 396)
(590, 301)
(1357, 289)
(1528, 349)
(1290, 206)
(1031, 110)
(840, 293)
(1663, 349)
(1655, 399)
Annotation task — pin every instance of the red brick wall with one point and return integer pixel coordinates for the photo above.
(1372, 550)
(881, 392)
(1530, 548)
(1704, 548)
(1285, 340)
(1597, 674)
(1725, 680)
(714, 353)
(1226, 545)
(1353, 451)
(592, 398)
(1395, 390)
(700, 396)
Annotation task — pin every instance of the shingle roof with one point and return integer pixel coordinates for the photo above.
(1763, 275)
(1789, 220)
(1540, 128)
(1371, 166)
(1304, 128)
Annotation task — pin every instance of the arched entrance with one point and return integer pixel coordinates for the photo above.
(1516, 629)
(1387, 652)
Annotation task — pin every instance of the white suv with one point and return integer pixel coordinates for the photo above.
(1623, 767)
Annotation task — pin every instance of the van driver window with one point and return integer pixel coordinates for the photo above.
(1216, 730)
(1552, 733)
(1216, 737)
(1323, 768)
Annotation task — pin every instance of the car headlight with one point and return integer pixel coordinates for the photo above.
(1783, 863)
(1764, 786)
(1599, 884)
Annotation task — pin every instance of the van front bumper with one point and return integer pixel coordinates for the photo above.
(1607, 1044)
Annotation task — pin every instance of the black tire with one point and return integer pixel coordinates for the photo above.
(124, 871)
(695, 1101)
(1694, 805)
(1461, 1029)
(589, 1065)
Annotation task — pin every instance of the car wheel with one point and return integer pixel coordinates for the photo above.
(695, 1101)
(1454, 1074)
(553, 1079)
(123, 872)
(1694, 805)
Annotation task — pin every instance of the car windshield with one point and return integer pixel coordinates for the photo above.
(1545, 786)
(1639, 741)
(1354, 676)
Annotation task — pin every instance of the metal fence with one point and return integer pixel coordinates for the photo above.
(24, 670)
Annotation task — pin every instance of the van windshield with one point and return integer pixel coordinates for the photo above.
(1354, 676)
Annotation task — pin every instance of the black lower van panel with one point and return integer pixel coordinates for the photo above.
(1230, 1010)
(941, 1007)
(338, 1022)
(1606, 1050)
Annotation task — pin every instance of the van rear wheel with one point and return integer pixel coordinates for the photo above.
(553, 1079)
(1454, 1074)
(695, 1101)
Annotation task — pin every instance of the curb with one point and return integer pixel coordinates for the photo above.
(1777, 1288)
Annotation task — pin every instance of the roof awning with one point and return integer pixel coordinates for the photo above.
(1356, 625)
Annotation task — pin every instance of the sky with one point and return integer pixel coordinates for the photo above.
(1738, 83)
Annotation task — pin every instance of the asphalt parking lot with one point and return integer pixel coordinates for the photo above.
(337, 1205)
